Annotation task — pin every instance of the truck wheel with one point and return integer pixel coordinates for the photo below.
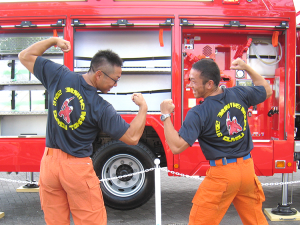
(117, 159)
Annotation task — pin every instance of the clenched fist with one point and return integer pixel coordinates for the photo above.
(138, 99)
(167, 106)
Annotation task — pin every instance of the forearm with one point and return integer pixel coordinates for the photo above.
(176, 143)
(137, 126)
(38, 49)
(28, 56)
(258, 80)
(256, 77)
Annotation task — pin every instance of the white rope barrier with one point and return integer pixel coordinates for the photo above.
(151, 169)
(17, 181)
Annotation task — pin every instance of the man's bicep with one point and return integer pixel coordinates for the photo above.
(190, 129)
(183, 145)
(113, 124)
(255, 95)
(126, 138)
(28, 61)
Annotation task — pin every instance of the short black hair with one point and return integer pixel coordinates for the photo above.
(209, 70)
(104, 58)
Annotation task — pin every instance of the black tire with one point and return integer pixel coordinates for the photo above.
(116, 159)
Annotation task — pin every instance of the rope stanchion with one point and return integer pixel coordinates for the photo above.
(157, 192)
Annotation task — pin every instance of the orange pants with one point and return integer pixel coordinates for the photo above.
(69, 184)
(234, 182)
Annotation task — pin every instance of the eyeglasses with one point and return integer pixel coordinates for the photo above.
(106, 75)
(111, 78)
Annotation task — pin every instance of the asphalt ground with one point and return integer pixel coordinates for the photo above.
(176, 196)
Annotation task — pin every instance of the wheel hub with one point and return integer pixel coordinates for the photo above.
(120, 165)
(124, 170)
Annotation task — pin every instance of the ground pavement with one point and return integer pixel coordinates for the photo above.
(176, 196)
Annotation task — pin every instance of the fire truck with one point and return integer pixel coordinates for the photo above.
(158, 40)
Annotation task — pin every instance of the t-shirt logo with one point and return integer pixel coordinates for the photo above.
(66, 110)
(233, 126)
(235, 130)
(62, 117)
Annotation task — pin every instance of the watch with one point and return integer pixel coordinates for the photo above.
(240, 74)
(163, 117)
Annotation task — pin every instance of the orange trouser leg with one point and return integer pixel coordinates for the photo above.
(248, 201)
(223, 185)
(84, 194)
(53, 198)
(79, 191)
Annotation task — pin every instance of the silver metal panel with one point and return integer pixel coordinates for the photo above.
(23, 125)
(14, 45)
(297, 146)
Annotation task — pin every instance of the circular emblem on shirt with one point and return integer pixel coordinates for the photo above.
(63, 113)
(233, 125)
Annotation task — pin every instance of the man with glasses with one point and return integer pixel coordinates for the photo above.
(112, 78)
(220, 124)
(76, 114)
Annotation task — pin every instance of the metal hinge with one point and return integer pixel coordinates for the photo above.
(60, 23)
(25, 24)
(168, 22)
(283, 25)
(185, 22)
(234, 23)
(122, 23)
(77, 23)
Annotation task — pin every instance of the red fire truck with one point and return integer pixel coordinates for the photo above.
(158, 40)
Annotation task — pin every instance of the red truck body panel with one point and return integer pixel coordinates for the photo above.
(273, 136)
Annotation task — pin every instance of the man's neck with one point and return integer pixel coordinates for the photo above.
(215, 91)
(89, 79)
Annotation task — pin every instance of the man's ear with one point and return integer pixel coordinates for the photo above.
(98, 74)
(210, 84)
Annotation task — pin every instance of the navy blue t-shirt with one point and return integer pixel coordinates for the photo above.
(220, 123)
(76, 112)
